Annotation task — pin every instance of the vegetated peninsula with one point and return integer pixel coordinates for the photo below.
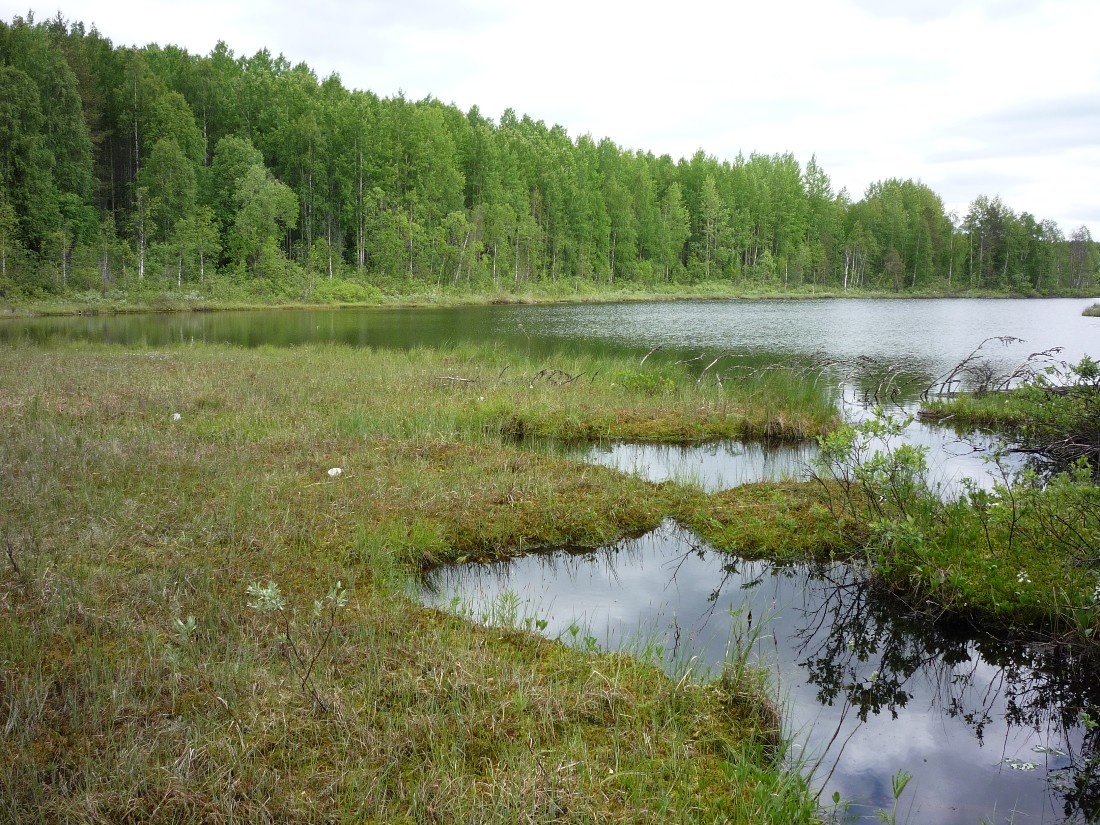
(154, 175)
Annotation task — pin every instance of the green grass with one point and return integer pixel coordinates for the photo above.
(120, 523)
(1092, 311)
(995, 410)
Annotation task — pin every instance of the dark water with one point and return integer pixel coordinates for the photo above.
(988, 728)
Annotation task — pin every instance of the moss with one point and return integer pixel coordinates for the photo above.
(121, 520)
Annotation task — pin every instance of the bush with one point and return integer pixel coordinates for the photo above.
(340, 291)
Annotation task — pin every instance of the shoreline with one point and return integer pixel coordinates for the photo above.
(168, 302)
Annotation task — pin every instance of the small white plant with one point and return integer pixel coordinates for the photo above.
(177, 417)
(335, 472)
(185, 629)
(1049, 750)
(337, 599)
(265, 598)
(1023, 578)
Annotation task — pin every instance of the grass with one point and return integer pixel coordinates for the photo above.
(1092, 311)
(138, 685)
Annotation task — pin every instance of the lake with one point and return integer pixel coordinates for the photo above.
(921, 337)
(988, 727)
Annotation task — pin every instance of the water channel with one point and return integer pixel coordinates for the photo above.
(993, 728)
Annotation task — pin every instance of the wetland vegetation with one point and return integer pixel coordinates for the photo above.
(210, 553)
(170, 520)
(211, 535)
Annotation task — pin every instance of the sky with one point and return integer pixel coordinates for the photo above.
(971, 97)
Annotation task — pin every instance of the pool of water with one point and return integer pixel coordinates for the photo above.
(987, 728)
(721, 465)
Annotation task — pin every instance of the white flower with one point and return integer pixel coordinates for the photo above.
(177, 417)
(335, 472)
(1023, 578)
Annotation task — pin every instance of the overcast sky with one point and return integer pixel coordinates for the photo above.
(995, 97)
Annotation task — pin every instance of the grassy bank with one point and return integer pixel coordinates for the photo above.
(1023, 553)
(221, 295)
(175, 645)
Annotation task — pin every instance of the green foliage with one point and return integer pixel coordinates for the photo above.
(864, 475)
(650, 382)
(898, 783)
(264, 206)
(1025, 550)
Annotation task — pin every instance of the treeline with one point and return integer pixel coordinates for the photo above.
(123, 168)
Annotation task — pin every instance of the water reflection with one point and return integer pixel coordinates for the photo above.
(889, 349)
(722, 465)
(718, 465)
(985, 726)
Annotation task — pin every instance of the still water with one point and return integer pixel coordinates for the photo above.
(988, 728)
(923, 338)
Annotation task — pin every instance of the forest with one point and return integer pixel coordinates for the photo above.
(230, 176)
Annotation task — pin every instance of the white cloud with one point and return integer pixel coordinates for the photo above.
(970, 96)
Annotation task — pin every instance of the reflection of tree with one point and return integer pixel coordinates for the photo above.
(857, 649)
(864, 657)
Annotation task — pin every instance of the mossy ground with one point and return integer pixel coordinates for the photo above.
(120, 522)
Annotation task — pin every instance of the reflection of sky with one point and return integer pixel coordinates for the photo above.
(927, 337)
(722, 465)
(917, 337)
(644, 589)
(713, 466)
